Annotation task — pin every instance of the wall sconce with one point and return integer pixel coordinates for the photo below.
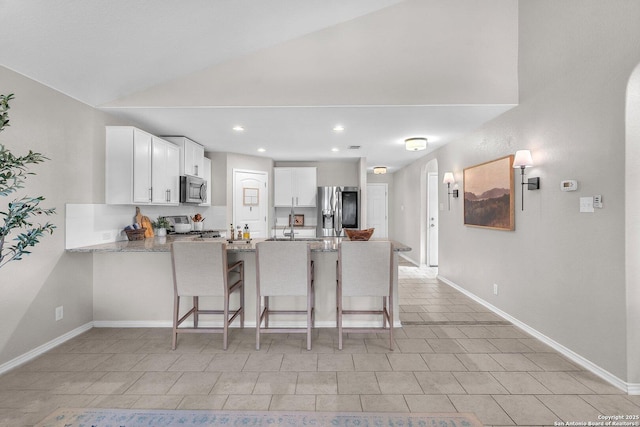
(449, 179)
(379, 170)
(523, 160)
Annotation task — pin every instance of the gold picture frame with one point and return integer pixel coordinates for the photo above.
(489, 195)
(298, 220)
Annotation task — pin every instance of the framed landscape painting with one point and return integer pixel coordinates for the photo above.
(489, 195)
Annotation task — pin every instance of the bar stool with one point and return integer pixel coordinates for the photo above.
(365, 269)
(283, 269)
(200, 269)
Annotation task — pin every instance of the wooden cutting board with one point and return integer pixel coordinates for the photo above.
(138, 217)
(144, 222)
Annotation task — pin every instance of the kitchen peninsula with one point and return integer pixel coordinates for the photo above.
(133, 283)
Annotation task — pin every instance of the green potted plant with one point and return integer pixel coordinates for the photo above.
(18, 213)
(161, 225)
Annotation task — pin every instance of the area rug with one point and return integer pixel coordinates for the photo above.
(67, 417)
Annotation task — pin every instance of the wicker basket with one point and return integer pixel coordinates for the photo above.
(135, 234)
(359, 234)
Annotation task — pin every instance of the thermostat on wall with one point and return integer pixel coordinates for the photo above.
(569, 185)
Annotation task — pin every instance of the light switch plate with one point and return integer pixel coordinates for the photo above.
(586, 204)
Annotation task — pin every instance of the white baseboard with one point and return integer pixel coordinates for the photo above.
(30, 355)
(570, 354)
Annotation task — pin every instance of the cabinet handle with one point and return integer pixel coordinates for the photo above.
(150, 194)
(196, 168)
(168, 194)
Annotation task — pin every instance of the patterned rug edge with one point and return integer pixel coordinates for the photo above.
(78, 417)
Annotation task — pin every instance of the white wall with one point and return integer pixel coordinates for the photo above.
(71, 134)
(331, 173)
(561, 272)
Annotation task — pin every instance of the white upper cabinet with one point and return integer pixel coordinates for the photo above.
(191, 156)
(165, 185)
(140, 168)
(297, 183)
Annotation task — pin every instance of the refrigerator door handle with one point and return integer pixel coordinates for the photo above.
(338, 217)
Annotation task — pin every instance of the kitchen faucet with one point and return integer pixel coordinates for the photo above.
(292, 220)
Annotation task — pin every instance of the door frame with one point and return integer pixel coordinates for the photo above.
(235, 172)
(431, 198)
(386, 206)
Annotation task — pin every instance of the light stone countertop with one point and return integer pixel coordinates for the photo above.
(163, 244)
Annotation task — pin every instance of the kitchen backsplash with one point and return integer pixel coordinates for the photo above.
(92, 224)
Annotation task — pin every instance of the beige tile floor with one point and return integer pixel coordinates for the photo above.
(453, 356)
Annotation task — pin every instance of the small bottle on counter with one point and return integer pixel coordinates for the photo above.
(246, 235)
(239, 233)
(232, 232)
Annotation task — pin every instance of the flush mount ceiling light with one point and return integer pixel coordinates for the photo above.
(415, 144)
(238, 128)
(379, 170)
(261, 150)
(335, 150)
(338, 128)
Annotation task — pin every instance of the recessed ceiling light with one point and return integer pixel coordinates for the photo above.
(261, 150)
(238, 128)
(335, 150)
(338, 128)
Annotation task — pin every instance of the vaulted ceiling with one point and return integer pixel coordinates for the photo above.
(288, 71)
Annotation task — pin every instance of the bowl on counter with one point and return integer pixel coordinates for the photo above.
(359, 234)
(182, 228)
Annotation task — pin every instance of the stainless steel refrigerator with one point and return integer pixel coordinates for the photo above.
(338, 208)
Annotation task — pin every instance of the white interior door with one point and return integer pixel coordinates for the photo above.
(377, 207)
(250, 200)
(432, 219)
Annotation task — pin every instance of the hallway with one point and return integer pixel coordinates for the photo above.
(452, 355)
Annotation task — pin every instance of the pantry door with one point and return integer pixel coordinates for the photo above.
(250, 200)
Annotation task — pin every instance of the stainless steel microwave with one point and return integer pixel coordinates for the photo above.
(193, 189)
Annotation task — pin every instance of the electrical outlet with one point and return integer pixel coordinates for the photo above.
(59, 313)
(597, 201)
(495, 289)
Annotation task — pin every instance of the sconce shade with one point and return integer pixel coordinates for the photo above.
(415, 144)
(379, 170)
(523, 159)
(448, 178)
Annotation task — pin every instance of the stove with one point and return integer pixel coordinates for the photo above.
(184, 219)
(204, 234)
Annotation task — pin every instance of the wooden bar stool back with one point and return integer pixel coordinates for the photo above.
(283, 269)
(365, 269)
(200, 269)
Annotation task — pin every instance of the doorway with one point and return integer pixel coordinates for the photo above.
(432, 219)
(250, 201)
(377, 209)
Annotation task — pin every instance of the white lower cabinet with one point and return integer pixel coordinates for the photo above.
(140, 168)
